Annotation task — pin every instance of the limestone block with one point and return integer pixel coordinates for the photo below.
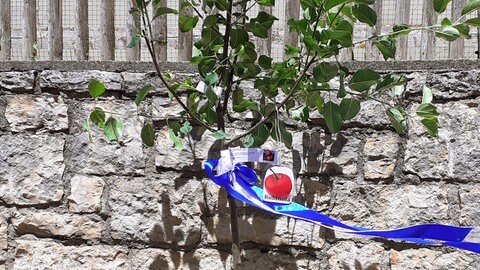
(424, 258)
(44, 254)
(102, 157)
(257, 259)
(3, 232)
(43, 224)
(454, 85)
(31, 168)
(455, 154)
(170, 259)
(17, 81)
(469, 197)
(329, 154)
(132, 82)
(347, 255)
(24, 112)
(380, 153)
(157, 211)
(390, 206)
(77, 81)
(163, 108)
(85, 193)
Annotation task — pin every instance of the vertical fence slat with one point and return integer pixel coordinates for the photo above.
(56, 30)
(456, 48)
(160, 35)
(264, 45)
(81, 26)
(5, 31)
(292, 11)
(29, 29)
(402, 15)
(371, 53)
(107, 29)
(185, 40)
(429, 17)
(133, 28)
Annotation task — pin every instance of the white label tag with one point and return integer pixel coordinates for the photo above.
(201, 87)
(237, 155)
(278, 185)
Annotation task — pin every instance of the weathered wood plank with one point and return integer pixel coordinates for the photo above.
(457, 47)
(5, 30)
(264, 45)
(56, 30)
(429, 17)
(402, 11)
(107, 29)
(81, 27)
(160, 35)
(371, 53)
(29, 30)
(185, 40)
(133, 28)
(292, 11)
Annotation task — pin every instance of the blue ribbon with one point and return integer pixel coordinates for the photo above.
(240, 184)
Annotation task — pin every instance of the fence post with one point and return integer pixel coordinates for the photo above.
(107, 29)
(160, 35)
(5, 31)
(185, 40)
(371, 53)
(29, 30)
(292, 11)
(264, 45)
(133, 28)
(402, 11)
(81, 26)
(429, 17)
(456, 48)
(56, 30)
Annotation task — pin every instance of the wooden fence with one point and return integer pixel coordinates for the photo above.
(101, 29)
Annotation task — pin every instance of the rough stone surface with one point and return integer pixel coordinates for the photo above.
(48, 224)
(45, 254)
(24, 112)
(31, 168)
(164, 108)
(455, 154)
(380, 153)
(346, 255)
(3, 232)
(132, 82)
(17, 81)
(455, 85)
(85, 193)
(77, 81)
(430, 259)
(257, 259)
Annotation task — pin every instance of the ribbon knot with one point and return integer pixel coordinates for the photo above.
(238, 172)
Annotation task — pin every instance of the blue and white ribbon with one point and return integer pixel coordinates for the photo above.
(239, 182)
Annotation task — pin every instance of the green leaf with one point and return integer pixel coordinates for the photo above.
(365, 14)
(280, 133)
(186, 128)
(341, 90)
(266, 2)
(220, 135)
(238, 37)
(363, 79)
(134, 41)
(211, 79)
(97, 116)
(397, 119)
(148, 135)
(389, 81)
(471, 5)
(187, 23)
(329, 4)
(248, 141)
(349, 108)
(400, 30)
(440, 5)
(387, 46)
(342, 33)
(96, 88)
(427, 95)
(324, 72)
(177, 141)
(259, 135)
(290, 50)
(464, 30)
(447, 32)
(113, 129)
(142, 94)
(164, 10)
(473, 22)
(333, 117)
(427, 110)
(265, 62)
(431, 125)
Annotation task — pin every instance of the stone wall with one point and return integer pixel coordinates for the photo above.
(66, 203)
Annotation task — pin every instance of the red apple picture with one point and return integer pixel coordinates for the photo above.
(278, 185)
